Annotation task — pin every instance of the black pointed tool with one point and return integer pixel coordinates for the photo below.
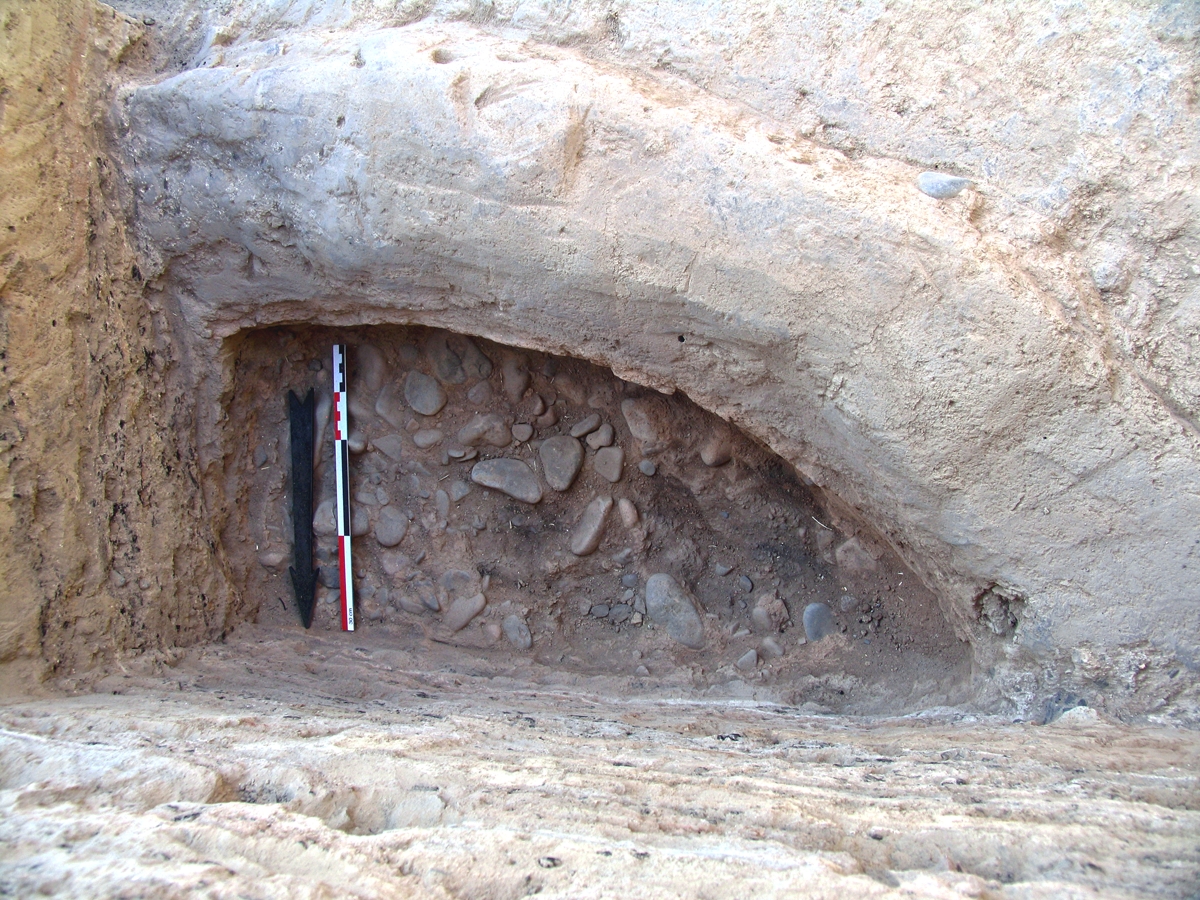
(304, 576)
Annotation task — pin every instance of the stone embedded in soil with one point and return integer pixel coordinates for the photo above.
(325, 518)
(722, 570)
(462, 611)
(585, 426)
(745, 583)
(391, 446)
(356, 443)
(590, 530)
(628, 512)
(769, 648)
(599, 611)
(412, 605)
(485, 428)
(426, 438)
(522, 432)
(620, 614)
(516, 378)
(390, 527)
(748, 661)
(390, 407)
(371, 367)
(562, 457)
(639, 416)
(717, 448)
(608, 463)
(852, 556)
(458, 583)
(548, 419)
(770, 614)
(601, 437)
(629, 580)
(441, 502)
(818, 621)
(509, 476)
(329, 575)
(459, 489)
(360, 522)
(455, 358)
(647, 468)
(671, 604)
(517, 632)
(424, 394)
(480, 394)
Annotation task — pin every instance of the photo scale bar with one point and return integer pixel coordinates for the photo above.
(341, 457)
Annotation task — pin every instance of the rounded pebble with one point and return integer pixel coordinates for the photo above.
(585, 426)
(489, 428)
(517, 632)
(722, 570)
(562, 458)
(647, 468)
(745, 583)
(818, 621)
(509, 476)
(598, 611)
(669, 603)
(590, 530)
(426, 438)
(424, 394)
(390, 527)
(601, 437)
(942, 186)
(748, 661)
(522, 432)
(608, 463)
(769, 648)
(463, 610)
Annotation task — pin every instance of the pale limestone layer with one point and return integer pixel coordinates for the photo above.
(967, 375)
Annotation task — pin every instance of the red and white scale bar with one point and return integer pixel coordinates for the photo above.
(341, 458)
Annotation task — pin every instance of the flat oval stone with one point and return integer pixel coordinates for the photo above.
(426, 438)
(717, 448)
(671, 604)
(940, 185)
(590, 530)
(601, 437)
(517, 632)
(586, 426)
(489, 428)
(608, 463)
(390, 527)
(509, 476)
(522, 432)
(424, 394)
(390, 445)
(463, 610)
(641, 419)
(562, 458)
(818, 621)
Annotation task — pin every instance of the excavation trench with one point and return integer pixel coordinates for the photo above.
(676, 491)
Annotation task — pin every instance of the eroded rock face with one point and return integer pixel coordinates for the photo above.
(941, 366)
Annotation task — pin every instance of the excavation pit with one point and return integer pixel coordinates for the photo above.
(631, 484)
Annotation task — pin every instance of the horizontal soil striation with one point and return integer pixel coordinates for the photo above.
(691, 498)
(286, 764)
